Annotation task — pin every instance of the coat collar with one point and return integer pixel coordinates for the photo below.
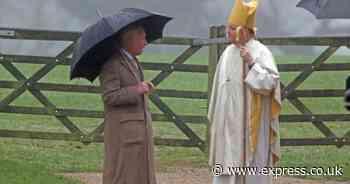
(127, 54)
(126, 61)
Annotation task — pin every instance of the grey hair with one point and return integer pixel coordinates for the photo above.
(130, 29)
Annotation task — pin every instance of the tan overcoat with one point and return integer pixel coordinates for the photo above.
(128, 133)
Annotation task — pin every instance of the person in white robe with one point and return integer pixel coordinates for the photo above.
(245, 103)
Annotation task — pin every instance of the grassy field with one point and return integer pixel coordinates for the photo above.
(37, 160)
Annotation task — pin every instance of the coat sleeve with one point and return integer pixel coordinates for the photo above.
(112, 92)
(261, 79)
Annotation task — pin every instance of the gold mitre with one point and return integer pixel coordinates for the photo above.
(244, 14)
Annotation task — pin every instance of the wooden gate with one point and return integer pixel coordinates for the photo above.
(216, 44)
(289, 91)
(32, 85)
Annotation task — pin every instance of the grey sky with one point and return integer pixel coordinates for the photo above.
(191, 17)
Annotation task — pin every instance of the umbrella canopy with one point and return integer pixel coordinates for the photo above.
(97, 42)
(325, 9)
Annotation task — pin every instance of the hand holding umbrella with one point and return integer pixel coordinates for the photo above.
(144, 87)
(151, 87)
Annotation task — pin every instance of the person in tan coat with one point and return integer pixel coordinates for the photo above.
(128, 133)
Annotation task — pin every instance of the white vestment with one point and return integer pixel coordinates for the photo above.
(226, 113)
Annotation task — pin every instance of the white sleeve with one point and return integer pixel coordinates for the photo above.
(261, 80)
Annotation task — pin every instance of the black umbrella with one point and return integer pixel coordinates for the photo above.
(325, 9)
(97, 42)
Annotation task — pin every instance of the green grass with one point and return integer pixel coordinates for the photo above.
(49, 157)
(19, 172)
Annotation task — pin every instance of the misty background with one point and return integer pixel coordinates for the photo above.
(192, 18)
